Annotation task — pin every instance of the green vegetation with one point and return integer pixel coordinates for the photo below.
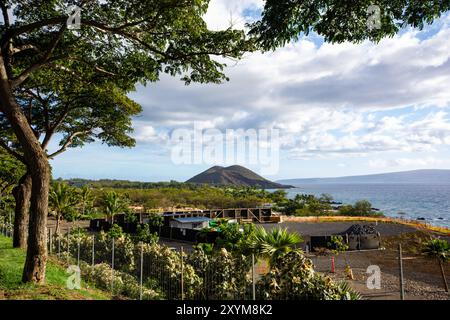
(11, 286)
(355, 21)
(62, 201)
(104, 60)
(113, 204)
(337, 244)
(143, 234)
(309, 205)
(292, 277)
(440, 250)
(274, 243)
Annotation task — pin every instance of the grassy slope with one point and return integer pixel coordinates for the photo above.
(11, 287)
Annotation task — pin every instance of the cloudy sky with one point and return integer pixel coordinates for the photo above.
(340, 110)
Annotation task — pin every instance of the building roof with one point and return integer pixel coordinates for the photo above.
(192, 219)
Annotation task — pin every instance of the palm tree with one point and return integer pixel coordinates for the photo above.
(62, 199)
(114, 204)
(86, 198)
(439, 249)
(274, 243)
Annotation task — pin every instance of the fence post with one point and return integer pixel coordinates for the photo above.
(142, 269)
(93, 250)
(253, 277)
(59, 246)
(68, 245)
(10, 225)
(50, 235)
(78, 254)
(400, 264)
(112, 267)
(182, 274)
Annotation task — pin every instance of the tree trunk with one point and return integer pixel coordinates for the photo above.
(38, 166)
(22, 195)
(57, 224)
(444, 279)
(34, 269)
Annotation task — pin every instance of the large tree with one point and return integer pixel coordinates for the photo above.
(125, 41)
(73, 112)
(11, 171)
(338, 21)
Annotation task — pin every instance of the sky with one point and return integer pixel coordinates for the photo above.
(339, 109)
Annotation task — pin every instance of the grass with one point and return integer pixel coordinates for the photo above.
(12, 288)
(412, 223)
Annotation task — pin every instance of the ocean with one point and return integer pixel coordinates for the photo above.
(408, 201)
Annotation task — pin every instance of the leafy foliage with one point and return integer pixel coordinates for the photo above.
(437, 248)
(292, 277)
(337, 244)
(285, 20)
(113, 204)
(62, 200)
(144, 234)
(274, 243)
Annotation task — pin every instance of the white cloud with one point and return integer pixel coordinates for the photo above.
(407, 163)
(324, 98)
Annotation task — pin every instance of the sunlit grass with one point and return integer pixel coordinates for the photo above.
(11, 286)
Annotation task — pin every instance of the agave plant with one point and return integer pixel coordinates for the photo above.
(274, 243)
(439, 249)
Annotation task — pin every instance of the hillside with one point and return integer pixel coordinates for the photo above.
(429, 176)
(11, 287)
(234, 176)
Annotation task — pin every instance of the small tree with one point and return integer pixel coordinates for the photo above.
(274, 243)
(362, 208)
(86, 199)
(62, 200)
(113, 204)
(440, 250)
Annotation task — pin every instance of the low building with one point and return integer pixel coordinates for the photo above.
(190, 223)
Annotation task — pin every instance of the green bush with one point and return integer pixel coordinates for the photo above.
(144, 234)
(124, 284)
(115, 231)
(292, 277)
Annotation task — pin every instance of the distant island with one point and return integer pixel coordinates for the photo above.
(234, 176)
(428, 176)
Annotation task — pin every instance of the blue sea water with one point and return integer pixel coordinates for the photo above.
(431, 202)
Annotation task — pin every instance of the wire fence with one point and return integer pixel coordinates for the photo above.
(174, 274)
(144, 271)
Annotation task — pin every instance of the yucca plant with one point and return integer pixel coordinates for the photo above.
(272, 244)
(440, 250)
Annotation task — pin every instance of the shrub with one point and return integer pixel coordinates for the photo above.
(337, 244)
(225, 274)
(115, 231)
(292, 277)
(124, 284)
(144, 234)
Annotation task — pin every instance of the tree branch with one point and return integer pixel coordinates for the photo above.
(7, 148)
(66, 144)
(42, 61)
(5, 14)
